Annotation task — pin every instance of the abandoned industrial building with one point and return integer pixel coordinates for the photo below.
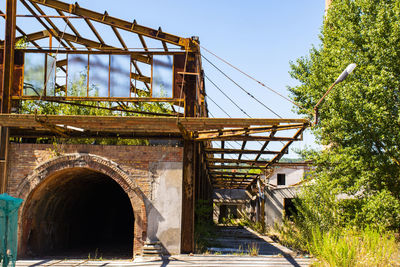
(110, 144)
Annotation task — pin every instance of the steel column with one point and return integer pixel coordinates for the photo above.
(7, 83)
(189, 166)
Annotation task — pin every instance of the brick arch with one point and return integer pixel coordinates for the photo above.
(93, 162)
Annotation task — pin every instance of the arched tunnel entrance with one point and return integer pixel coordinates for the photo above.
(78, 212)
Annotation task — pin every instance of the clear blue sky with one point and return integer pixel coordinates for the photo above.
(260, 37)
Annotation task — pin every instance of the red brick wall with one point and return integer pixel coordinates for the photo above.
(24, 158)
(28, 162)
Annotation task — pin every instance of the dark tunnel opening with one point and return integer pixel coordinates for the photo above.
(79, 213)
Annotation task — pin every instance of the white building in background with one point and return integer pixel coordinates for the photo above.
(281, 188)
(287, 176)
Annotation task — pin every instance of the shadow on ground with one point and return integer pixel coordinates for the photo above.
(237, 240)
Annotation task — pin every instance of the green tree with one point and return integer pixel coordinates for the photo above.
(359, 120)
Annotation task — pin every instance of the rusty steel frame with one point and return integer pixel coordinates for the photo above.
(204, 166)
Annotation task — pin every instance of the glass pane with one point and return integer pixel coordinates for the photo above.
(50, 75)
(61, 75)
(77, 75)
(98, 75)
(34, 74)
(120, 75)
(162, 76)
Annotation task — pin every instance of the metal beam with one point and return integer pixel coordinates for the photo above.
(285, 148)
(8, 56)
(51, 23)
(231, 174)
(111, 51)
(7, 83)
(92, 44)
(248, 138)
(73, 29)
(109, 99)
(119, 37)
(233, 167)
(238, 151)
(236, 161)
(41, 22)
(272, 134)
(236, 173)
(143, 41)
(93, 29)
(252, 130)
(141, 78)
(112, 21)
(20, 31)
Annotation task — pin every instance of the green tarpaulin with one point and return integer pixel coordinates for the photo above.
(8, 229)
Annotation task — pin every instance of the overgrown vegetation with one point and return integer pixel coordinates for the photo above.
(341, 246)
(204, 225)
(244, 220)
(350, 210)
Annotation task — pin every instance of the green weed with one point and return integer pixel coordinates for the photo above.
(343, 247)
(253, 249)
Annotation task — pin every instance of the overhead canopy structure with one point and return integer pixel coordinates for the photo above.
(68, 48)
(223, 172)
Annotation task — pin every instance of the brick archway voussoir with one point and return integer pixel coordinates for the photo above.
(99, 164)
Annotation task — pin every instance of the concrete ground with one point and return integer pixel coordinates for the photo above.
(232, 246)
(243, 240)
(181, 260)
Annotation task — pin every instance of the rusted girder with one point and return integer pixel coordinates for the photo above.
(21, 31)
(236, 173)
(107, 99)
(238, 151)
(141, 78)
(43, 24)
(233, 167)
(7, 83)
(116, 22)
(249, 138)
(238, 161)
